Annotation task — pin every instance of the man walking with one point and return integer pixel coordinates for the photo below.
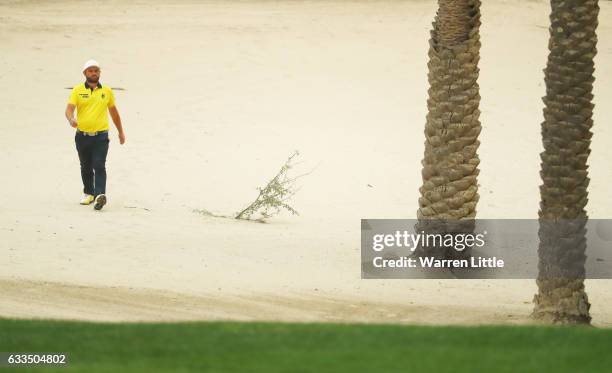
(92, 101)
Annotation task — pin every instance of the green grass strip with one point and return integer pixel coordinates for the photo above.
(283, 347)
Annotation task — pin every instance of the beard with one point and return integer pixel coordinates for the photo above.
(93, 79)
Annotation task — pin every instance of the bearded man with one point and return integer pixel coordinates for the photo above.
(93, 102)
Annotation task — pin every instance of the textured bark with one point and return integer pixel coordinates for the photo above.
(453, 22)
(450, 163)
(566, 134)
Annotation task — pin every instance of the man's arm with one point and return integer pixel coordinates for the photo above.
(117, 121)
(70, 115)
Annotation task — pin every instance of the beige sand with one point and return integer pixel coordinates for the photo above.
(217, 94)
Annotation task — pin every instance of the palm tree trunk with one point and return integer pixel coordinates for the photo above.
(450, 162)
(566, 134)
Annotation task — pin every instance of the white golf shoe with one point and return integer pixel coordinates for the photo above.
(87, 199)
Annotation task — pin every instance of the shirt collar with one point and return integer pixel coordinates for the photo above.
(87, 87)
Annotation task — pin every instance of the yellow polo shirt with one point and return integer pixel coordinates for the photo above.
(92, 106)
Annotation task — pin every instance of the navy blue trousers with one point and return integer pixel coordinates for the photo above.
(92, 155)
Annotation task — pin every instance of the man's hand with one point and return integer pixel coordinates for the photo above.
(117, 120)
(70, 115)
